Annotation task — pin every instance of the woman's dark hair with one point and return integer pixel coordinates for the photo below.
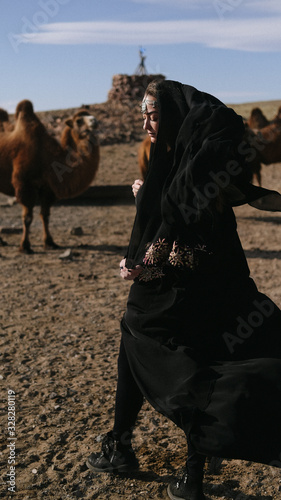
(152, 88)
(172, 108)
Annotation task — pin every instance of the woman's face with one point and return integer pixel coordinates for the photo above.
(150, 117)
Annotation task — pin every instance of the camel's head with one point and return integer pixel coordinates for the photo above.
(82, 124)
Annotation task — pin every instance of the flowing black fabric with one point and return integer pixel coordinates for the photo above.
(207, 158)
(203, 344)
(227, 409)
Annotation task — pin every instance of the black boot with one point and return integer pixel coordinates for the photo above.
(186, 488)
(114, 456)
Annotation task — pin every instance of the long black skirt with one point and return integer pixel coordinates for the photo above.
(229, 409)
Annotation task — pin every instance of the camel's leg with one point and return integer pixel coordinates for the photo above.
(258, 176)
(256, 171)
(45, 216)
(27, 217)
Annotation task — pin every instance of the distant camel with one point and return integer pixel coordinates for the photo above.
(257, 119)
(143, 156)
(264, 147)
(36, 168)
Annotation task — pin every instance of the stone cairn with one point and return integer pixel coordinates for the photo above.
(121, 118)
(130, 87)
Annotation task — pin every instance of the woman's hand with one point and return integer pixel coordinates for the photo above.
(135, 187)
(129, 274)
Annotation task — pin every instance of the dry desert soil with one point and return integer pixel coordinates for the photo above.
(59, 337)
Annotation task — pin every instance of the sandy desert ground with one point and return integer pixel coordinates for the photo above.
(59, 337)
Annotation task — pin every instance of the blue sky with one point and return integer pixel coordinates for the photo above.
(64, 53)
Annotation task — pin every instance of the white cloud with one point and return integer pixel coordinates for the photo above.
(225, 6)
(254, 35)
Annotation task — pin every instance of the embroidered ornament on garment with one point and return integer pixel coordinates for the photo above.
(160, 254)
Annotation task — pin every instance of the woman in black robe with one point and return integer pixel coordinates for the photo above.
(203, 344)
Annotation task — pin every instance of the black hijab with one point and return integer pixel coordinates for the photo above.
(202, 171)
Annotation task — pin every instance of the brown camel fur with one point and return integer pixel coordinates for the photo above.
(263, 147)
(278, 115)
(257, 119)
(143, 156)
(37, 169)
(5, 124)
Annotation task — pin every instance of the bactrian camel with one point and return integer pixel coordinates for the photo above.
(37, 169)
(257, 119)
(263, 147)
